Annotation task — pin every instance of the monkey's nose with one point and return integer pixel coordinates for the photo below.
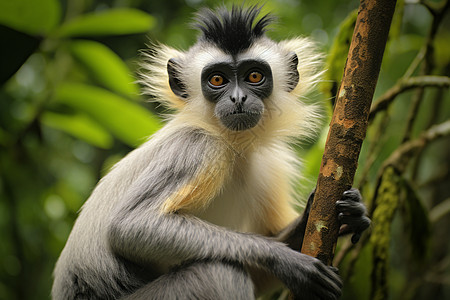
(238, 99)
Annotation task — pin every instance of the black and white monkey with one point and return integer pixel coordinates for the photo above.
(203, 209)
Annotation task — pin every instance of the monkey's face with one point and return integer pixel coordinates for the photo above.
(238, 89)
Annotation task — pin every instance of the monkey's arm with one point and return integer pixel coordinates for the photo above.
(141, 230)
(351, 214)
(293, 234)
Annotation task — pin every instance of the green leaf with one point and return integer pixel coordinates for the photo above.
(109, 22)
(30, 16)
(20, 47)
(105, 66)
(126, 120)
(79, 126)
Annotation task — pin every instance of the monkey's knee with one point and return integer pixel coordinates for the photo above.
(203, 280)
(223, 281)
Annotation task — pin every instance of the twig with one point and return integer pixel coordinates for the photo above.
(415, 63)
(437, 10)
(440, 210)
(400, 157)
(439, 176)
(345, 248)
(403, 85)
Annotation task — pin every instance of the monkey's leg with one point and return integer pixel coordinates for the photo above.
(200, 280)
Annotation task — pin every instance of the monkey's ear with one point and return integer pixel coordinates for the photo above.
(293, 72)
(176, 85)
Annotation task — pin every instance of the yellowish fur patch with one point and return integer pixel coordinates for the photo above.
(202, 188)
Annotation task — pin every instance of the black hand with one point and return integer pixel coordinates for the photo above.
(352, 214)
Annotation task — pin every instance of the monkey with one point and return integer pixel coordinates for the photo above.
(204, 208)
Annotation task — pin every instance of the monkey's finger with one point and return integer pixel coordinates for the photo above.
(353, 195)
(332, 291)
(350, 207)
(331, 280)
(349, 220)
(333, 275)
(320, 291)
(334, 269)
(363, 225)
(355, 223)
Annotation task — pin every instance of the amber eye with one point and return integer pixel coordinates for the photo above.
(255, 77)
(216, 80)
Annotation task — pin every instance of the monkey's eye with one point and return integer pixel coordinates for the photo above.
(216, 80)
(255, 77)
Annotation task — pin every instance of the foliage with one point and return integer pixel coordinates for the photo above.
(70, 109)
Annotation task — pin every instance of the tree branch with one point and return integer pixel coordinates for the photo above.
(400, 158)
(405, 84)
(440, 210)
(348, 125)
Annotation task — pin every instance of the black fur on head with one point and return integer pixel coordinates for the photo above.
(232, 31)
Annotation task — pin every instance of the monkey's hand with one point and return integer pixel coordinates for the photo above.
(307, 277)
(352, 214)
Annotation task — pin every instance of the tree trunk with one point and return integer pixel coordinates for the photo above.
(348, 125)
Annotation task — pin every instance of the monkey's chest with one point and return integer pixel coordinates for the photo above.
(237, 207)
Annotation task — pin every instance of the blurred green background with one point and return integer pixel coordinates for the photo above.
(70, 109)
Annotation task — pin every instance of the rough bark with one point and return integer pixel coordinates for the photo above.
(348, 125)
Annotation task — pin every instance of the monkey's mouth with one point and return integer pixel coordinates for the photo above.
(236, 113)
(239, 120)
(241, 111)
